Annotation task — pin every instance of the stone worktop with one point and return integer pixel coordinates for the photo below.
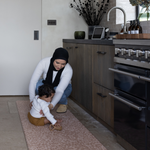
(86, 41)
(109, 42)
(144, 42)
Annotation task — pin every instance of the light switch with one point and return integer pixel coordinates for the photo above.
(36, 35)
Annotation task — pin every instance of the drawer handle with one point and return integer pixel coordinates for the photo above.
(76, 47)
(99, 52)
(101, 95)
(68, 47)
(123, 100)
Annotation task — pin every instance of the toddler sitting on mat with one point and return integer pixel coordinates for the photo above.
(41, 102)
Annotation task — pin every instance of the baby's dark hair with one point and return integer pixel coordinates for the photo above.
(45, 89)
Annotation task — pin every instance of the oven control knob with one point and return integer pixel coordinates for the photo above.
(132, 52)
(117, 50)
(139, 53)
(123, 51)
(129, 52)
(147, 54)
(126, 51)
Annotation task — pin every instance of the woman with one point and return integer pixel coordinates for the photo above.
(57, 72)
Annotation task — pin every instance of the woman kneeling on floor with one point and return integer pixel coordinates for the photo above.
(56, 72)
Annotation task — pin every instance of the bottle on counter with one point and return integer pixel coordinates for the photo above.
(138, 28)
(129, 28)
(133, 27)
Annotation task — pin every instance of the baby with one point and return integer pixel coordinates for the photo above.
(41, 102)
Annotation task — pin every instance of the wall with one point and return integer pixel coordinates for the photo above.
(68, 21)
(112, 23)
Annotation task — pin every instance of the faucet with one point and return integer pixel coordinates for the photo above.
(124, 28)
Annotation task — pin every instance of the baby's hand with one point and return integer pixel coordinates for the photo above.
(30, 105)
(57, 124)
(59, 120)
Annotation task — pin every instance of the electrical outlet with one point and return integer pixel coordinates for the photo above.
(51, 22)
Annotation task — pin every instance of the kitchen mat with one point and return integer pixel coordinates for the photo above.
(74, 136)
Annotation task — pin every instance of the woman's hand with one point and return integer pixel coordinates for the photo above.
(50, 106)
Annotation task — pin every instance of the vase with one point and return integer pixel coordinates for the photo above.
(79, 34)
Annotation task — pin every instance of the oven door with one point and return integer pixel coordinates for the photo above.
(131, 80)
(129, 119)
(148, 103)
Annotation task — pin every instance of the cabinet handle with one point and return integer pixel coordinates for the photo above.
(99, 52)
(68, 47)
(76, 47)
(101, 95)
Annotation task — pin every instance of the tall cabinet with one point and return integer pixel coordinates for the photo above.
(92, 81)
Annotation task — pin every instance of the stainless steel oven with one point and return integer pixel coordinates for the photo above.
(131, 100)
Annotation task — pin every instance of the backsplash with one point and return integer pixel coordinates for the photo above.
(112, 23)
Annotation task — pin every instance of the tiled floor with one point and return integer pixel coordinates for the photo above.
(12, 136)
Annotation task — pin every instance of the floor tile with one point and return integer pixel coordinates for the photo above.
(12, 107)
(12, 140)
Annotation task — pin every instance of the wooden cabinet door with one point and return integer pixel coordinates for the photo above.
(102, 60)
(97, 62)
(70, 47)
(87, 79)
(103, 104)
(80, 73)
(80, 58)
(84, 75)
(108, 62)
(98, 102)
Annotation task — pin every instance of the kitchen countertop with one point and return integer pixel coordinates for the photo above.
(139, 42)
(143, 42)
(86, 41)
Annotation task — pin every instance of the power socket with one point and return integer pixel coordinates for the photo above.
(51, 22)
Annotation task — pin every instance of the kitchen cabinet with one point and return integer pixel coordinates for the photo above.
(103, 104)
(103, 83)
(80, 58)
(102, 60)
(90, 63)
(71, 48)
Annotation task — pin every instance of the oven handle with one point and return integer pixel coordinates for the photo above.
(125, 73)
(130, 74)
(126, 102)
